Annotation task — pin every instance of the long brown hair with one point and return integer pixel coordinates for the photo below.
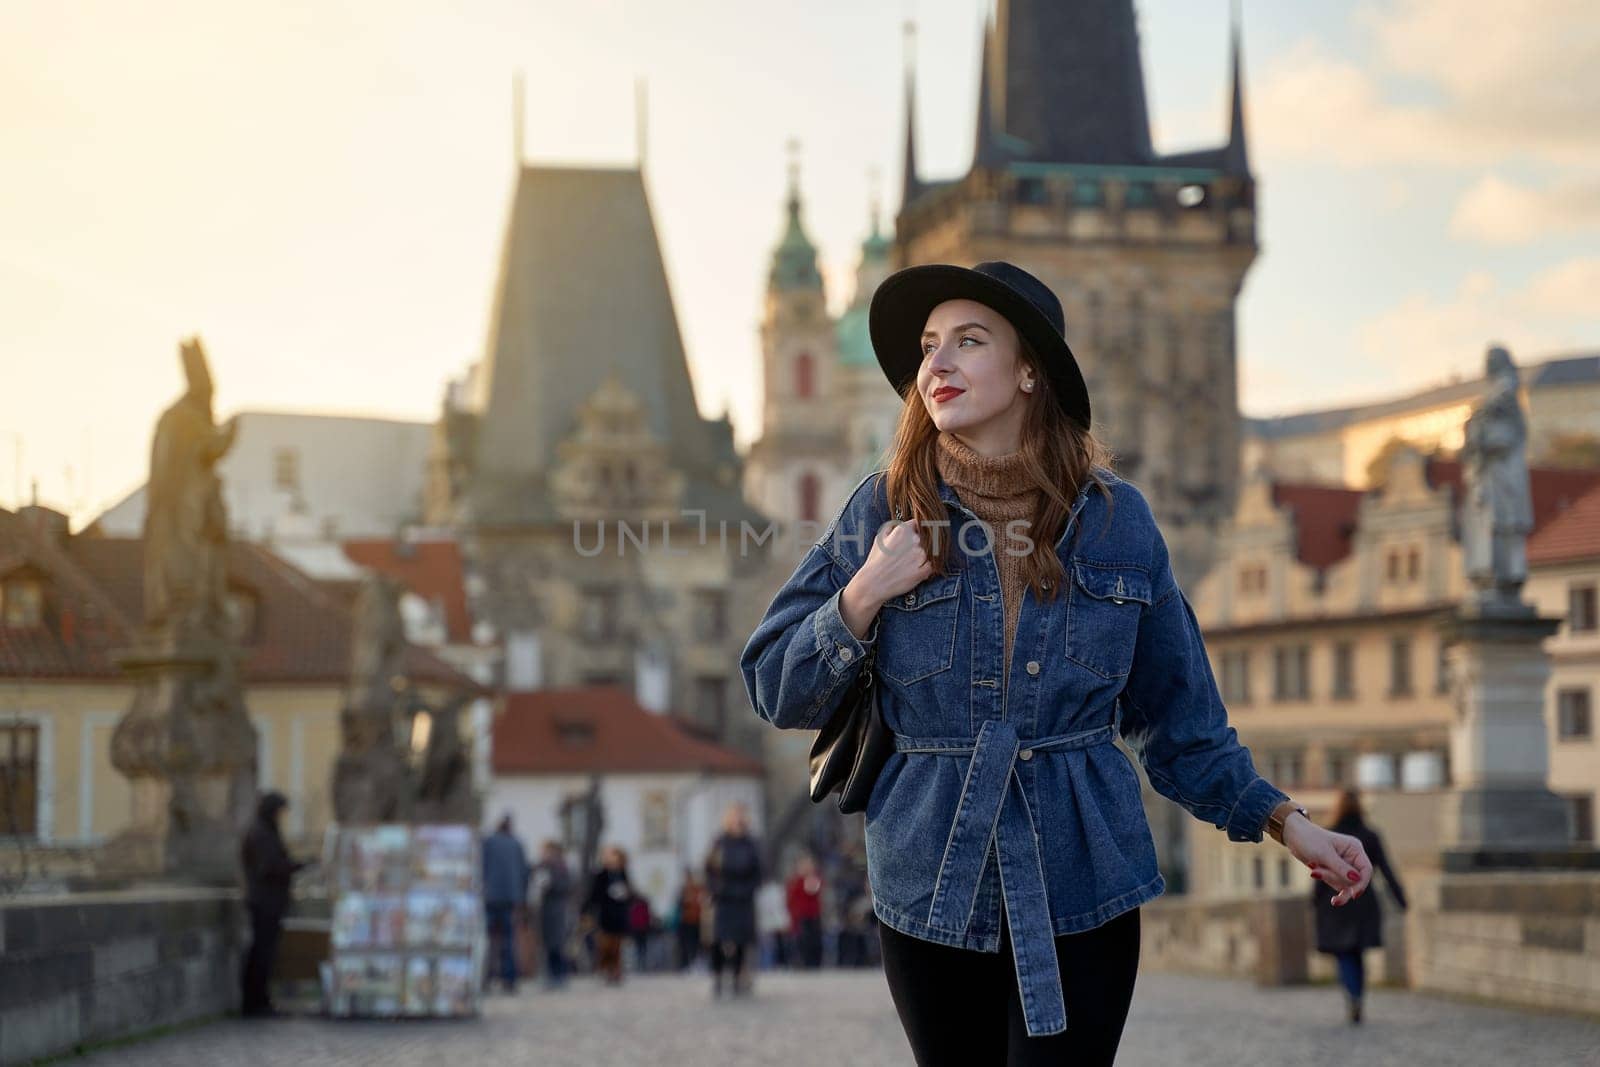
(1060, 455)
(1348, 806)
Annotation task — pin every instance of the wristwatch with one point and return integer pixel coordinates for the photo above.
(1279, 815)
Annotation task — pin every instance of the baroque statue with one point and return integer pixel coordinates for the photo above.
(1496, 506)
(186, 743)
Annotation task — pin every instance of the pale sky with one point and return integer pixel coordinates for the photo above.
(319, 188)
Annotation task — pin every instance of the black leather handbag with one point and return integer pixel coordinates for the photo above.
(852, 745)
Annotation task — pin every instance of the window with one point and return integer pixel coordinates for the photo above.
(599, 618)
(1441, 670)
(1252, 579)
(1572, 715)
(1291, 672)
(19, 779)
(1032, 191)
(711, 698)
(575, 733)
(1400, 666)
(805, 377)
(656, 819)
(1344, 670)
(1391, 565)
(710, 615)
(810, 497)
(1258, 873)
(1582, 808)
(1335, 766)
(21, 601)
(1581, 609)
(1413, 564)
(1286, 768)
(1236, 676)
(286, 468)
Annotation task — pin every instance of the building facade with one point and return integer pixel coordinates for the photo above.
(1321, 619)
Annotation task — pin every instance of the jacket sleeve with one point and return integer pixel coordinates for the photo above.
(1380, 860)
(1173, 717)
(801, 656)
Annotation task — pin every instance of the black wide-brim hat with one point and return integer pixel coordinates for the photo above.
(901, 305)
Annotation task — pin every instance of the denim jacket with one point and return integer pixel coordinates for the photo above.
(1006, 788)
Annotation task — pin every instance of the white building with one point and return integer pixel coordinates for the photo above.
(663, 789)
(296, 477)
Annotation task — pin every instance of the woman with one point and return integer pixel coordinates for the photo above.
(554, 895)
(690, 901)
(1344, 934)
(610, 894)
(804, 899)
(733, 875)
(1007, 845)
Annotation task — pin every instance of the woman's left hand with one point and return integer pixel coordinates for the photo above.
(1336, 859)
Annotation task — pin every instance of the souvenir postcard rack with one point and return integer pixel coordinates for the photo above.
(408, 928)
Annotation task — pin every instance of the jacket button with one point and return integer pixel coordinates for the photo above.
(845, 653)
(911, 598)
(1033, 666)
(1025, 754)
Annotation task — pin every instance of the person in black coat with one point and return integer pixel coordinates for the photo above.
(733, 876)
(1347, 930)
(609, 901)
(267, 873)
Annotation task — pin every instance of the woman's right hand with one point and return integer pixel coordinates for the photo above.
(895, 564)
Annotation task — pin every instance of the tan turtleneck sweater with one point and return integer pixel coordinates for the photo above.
(997, 490)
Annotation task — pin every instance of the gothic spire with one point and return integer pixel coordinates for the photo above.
(1235, 157)
(910, 187)
(986, 152)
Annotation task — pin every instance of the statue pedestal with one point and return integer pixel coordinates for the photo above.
(188, 750)
(1500, 811)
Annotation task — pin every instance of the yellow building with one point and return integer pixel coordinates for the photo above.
(68, 605)
(1563, 579)
(1338, 446)
(1320, 618)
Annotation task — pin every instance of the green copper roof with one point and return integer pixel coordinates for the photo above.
(794, 261)
(855, 343)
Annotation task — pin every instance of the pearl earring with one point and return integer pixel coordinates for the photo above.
(1027, 386)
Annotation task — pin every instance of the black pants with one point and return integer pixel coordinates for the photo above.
(265, 926)
(960, 1006)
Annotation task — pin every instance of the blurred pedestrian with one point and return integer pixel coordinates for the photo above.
(804, 895)
(268, 870)
(1346, 931)
(772, 925)
(505, 888)
(607, 905)
(555, 901)
(639, 923)
(733, 875)
(690, 910)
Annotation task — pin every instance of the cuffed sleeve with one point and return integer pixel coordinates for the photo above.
(1174, 718)
(801, 656)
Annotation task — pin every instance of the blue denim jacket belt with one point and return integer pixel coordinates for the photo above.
(1006, 789)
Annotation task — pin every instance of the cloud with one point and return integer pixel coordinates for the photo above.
(1496, 211)
(1449, 82)
(1571, 288)
(1424, 338)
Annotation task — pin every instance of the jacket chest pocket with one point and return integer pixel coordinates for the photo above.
(918, 637)
(1103, 616)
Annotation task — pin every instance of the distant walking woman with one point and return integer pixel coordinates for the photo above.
(1007, 845)
(1345, 933)
(733, 875)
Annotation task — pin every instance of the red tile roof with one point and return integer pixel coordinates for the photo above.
(601, 729)
(1324, 520)
(1571, 536)
(1553, 489)
(431, 569)
(95, 595)
(1325, 515)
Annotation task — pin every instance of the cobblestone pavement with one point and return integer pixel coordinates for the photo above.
(663, 1021)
